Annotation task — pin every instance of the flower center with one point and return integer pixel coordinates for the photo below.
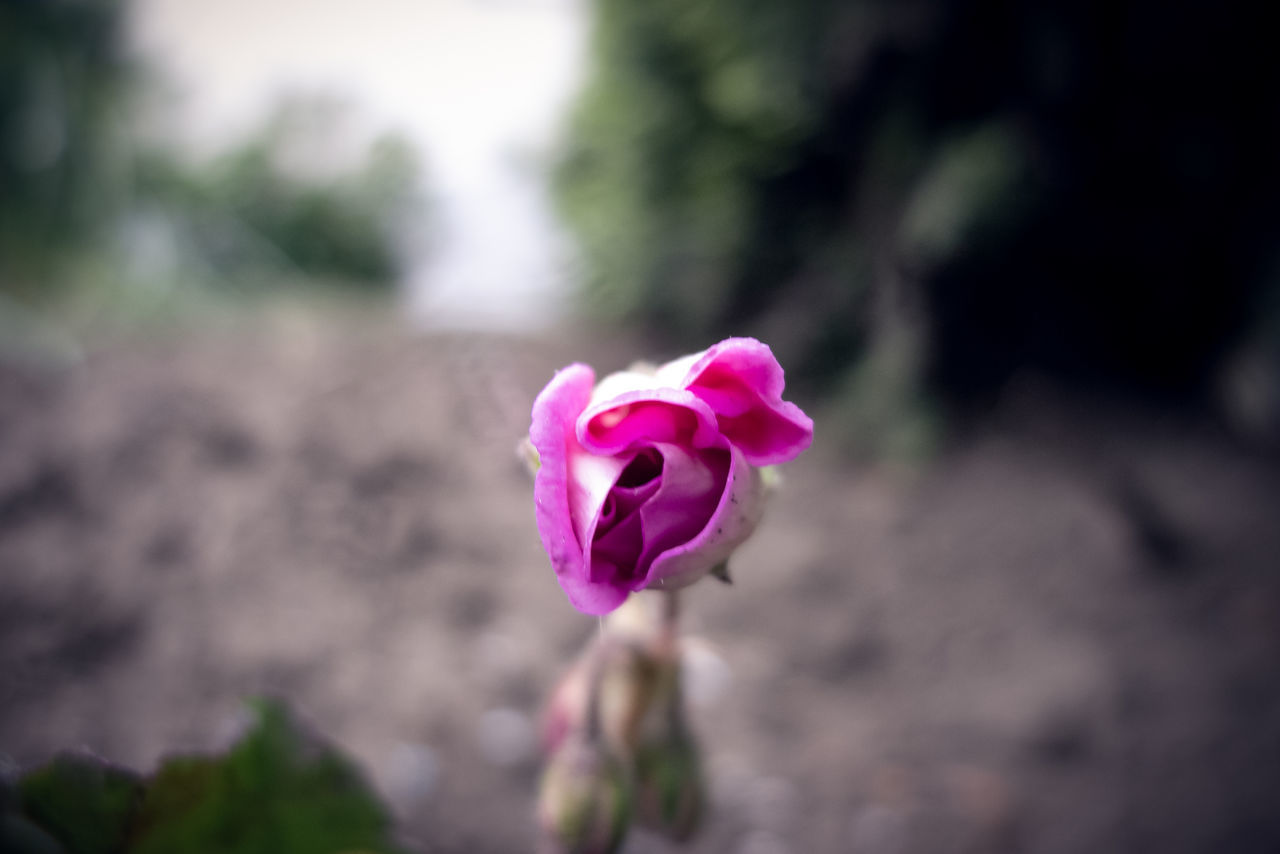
(619, 535)
(646, 467)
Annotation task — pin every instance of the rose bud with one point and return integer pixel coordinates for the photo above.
(651, 479)
(584, 806)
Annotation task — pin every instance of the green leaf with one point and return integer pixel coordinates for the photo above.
(278, 791)
(81, 801)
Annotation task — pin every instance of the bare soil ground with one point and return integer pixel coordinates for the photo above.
(1061, 636)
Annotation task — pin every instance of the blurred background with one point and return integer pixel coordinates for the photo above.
(279, 282)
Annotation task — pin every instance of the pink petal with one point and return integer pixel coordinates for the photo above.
(692, 486)
(647, 417)
(555, 411)
(591, 478)
(736, 515)
(638, 523)
(741, 381)
(617, 534)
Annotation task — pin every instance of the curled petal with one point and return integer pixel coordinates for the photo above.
(552, 432)
(664, 496)
(742, 382)
(591, 479)
(647, 417)
(736, 516)
(680, 491)
(691, 492)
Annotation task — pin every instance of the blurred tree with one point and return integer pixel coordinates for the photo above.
(78, 185)
(62, 77)
(279, 203)
(956, 188)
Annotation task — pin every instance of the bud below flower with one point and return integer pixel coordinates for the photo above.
(670, 795)
(584, 805)
(626, 681)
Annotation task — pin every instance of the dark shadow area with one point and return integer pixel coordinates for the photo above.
(1084, 190)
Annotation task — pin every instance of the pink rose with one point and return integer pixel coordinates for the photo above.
(650, 479)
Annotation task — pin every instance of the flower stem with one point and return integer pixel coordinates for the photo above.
(595, 680)
(670, 611)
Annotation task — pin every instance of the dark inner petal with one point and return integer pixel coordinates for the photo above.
(687, 505)
(619, 537)
(646, 467)
(614, 553)
(635, 485)
(607, 513)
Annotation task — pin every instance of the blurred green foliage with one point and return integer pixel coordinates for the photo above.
(82, 802)
(690, 109)
(87, 201)
(253, 209)
(277, 791)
